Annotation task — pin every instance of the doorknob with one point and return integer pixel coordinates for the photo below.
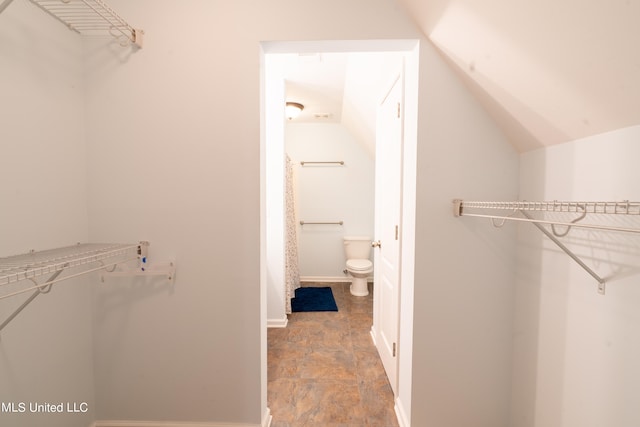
(376, 244)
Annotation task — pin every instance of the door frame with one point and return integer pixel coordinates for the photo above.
(271, 127)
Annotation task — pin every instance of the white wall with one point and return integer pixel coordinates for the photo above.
(173, 156)
(576, 352)
(174, 143)
(327, 193)
(45, 352)
(464, 276)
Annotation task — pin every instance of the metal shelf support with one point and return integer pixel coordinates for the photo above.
(470, 208)
(54, 262)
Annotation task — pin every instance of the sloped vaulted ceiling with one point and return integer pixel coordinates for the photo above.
(549, 71)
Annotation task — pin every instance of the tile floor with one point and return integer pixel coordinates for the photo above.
(323, 369)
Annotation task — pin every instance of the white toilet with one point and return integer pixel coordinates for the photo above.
(358, 250)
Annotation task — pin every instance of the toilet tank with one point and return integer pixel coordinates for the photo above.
(357, 247)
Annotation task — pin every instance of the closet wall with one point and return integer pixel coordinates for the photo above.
(465, 271)
(329, 193)
(173, 134)
(576, 352)
(45, 352)
(172, 137)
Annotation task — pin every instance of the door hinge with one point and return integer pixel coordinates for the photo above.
(396, 232)
(398, 110)
(394, 349)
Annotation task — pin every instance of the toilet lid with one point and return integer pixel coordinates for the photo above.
(359, 264)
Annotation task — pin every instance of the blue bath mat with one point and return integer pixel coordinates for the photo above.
(313, 299)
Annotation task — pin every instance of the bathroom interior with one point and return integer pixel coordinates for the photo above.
(329, 168)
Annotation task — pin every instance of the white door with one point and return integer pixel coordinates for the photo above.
(388, 203)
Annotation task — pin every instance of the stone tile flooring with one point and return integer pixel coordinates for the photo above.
(323, 369)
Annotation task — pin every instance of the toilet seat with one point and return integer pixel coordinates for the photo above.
(359, 264)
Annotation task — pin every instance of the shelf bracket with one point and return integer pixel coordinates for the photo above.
(600, 280)
(166, 269)
(33, 296)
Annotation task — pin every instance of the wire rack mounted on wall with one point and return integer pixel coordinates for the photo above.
(506, 211)
(83, 258)
(92, 17)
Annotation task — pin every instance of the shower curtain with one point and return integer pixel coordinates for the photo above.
(292, 273)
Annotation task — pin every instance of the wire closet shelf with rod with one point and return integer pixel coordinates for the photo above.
(89, 18)
(550, 217)
(37, 271)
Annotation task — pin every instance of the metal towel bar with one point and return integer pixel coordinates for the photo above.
(321, 223)
(337, 162)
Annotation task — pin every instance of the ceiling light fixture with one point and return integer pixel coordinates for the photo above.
(293, 109)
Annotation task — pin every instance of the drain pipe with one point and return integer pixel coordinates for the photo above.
(4, 5)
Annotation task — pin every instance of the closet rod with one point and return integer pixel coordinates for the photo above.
(567, 224)
(611, 208)
(54, 281)
(321, 223)
(337, 162)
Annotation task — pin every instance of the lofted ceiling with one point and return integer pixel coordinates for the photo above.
(548, 71)
(341, 87)
(317, 81)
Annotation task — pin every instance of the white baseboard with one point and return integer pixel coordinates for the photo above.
(372, 332)
(401, 415)
(277, 323)
(175, 424)
(266, 422)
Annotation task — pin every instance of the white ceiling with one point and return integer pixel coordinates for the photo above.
(549, 71)
(317, 81)
(341, 87)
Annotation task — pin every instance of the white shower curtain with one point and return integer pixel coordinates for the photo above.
(292, 273)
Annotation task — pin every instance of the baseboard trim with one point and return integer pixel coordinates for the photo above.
(277, 323)
(266, 422)
(401, 415)
(372, 332)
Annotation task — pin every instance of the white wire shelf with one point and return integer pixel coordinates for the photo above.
(36, 264)
(92, 17)
(50, 264)
(507, 211)
(610, 208)
(475, 209)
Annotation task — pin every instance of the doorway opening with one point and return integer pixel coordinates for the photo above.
(374, 65)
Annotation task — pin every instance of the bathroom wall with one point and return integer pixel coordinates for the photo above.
(576, 351)
(45, 352)
(329, 193)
